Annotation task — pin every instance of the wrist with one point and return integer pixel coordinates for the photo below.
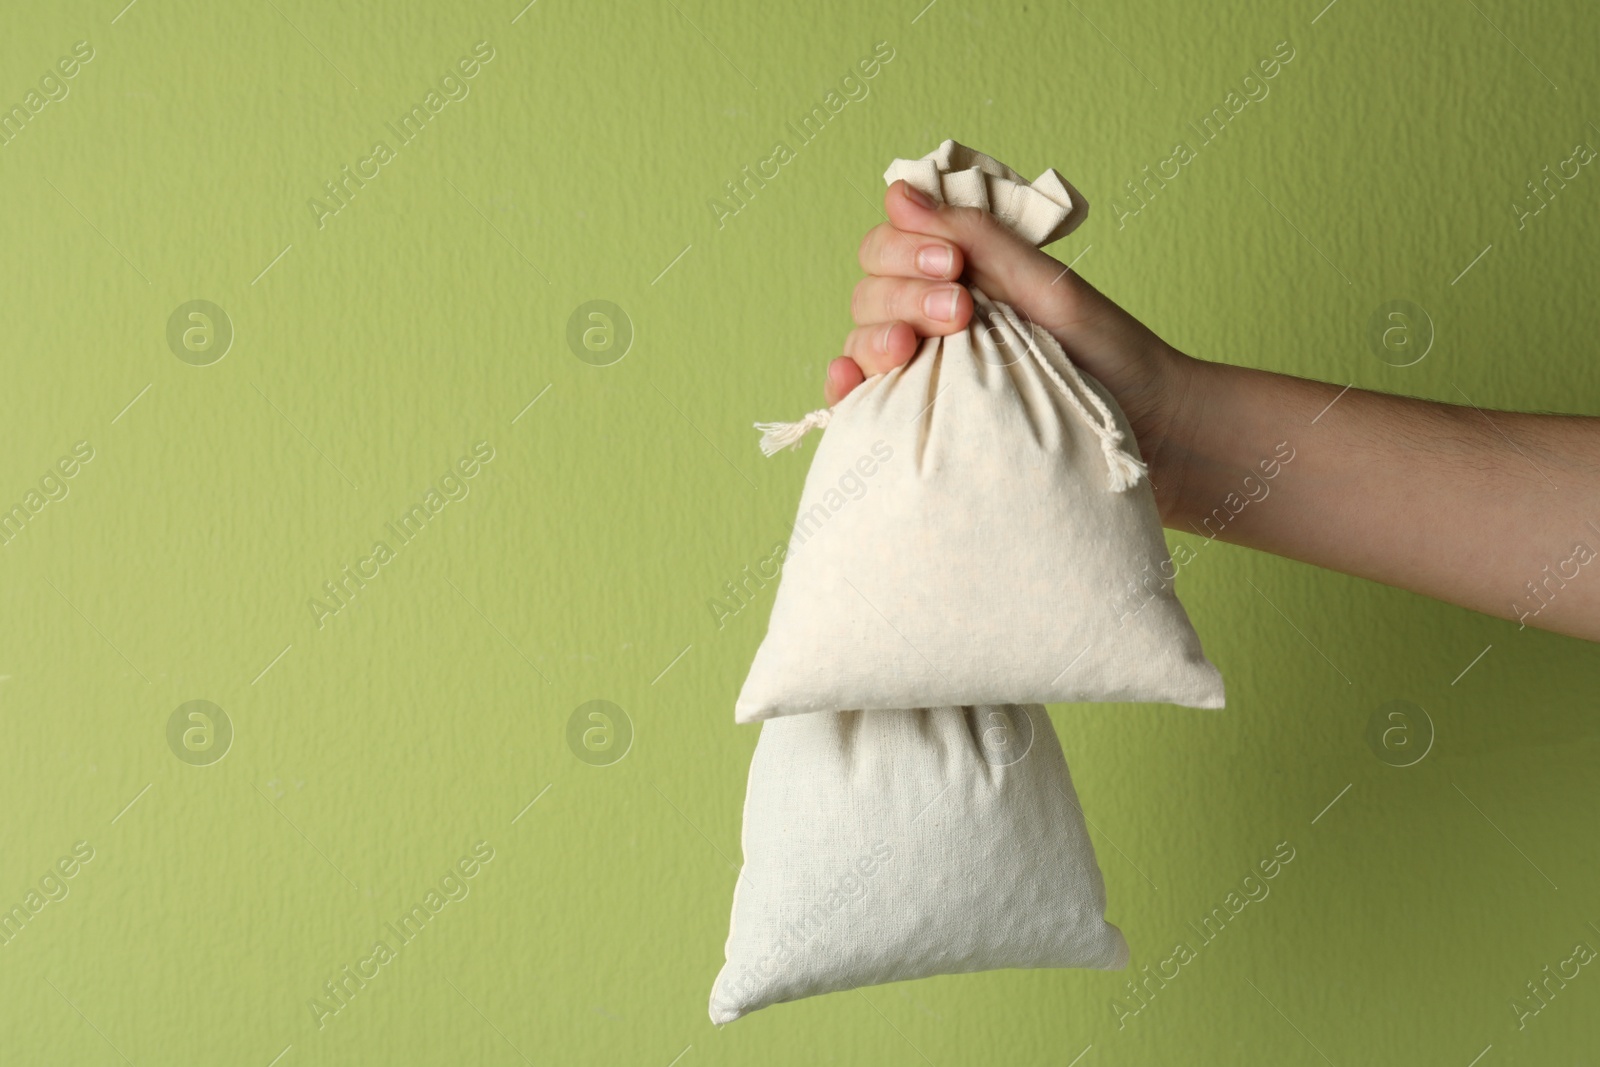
(1189, 384)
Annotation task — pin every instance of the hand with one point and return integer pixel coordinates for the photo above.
(1490, 510)
(915, 263)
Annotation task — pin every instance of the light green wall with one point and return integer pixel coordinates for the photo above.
(423, 718)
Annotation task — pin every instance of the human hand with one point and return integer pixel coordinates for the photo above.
(1417, 494)
(916, 264)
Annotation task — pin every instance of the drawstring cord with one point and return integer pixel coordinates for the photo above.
(1124, 470)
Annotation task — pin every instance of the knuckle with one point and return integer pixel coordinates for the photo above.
(858, 300)
(971, 218)
(871, 253)
(895, 300)
(867, 341)
(868, 243)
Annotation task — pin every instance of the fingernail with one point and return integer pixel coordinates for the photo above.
(883, 338)
(941, 303)
(934, 260)
(920, 198)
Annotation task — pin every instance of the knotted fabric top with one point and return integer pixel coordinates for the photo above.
(1041, 211)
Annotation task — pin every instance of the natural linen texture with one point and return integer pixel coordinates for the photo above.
(888, 845)
(975, 527)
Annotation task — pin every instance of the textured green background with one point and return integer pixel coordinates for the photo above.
(372, 753)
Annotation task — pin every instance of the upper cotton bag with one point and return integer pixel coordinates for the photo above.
(976, 527)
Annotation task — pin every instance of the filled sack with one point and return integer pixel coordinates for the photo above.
(888, 845)
(976, 526)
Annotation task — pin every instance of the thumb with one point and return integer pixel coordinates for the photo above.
(1008, 268)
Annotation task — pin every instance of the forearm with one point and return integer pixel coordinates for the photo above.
(1494, 511)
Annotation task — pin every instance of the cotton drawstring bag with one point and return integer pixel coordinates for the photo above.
(976, 526)
(888, 845)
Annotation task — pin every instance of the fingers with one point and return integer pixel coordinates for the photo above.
(1003, 265)
(932, 308)
(844, 374)
(869, 350)
(888, 251)
(881, 347)
(1119, 350)
(911, 291)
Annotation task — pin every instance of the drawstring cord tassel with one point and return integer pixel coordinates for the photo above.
(777, 436)
(1125, 471)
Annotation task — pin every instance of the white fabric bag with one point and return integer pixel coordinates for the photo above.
(888, 845)
(976, 527)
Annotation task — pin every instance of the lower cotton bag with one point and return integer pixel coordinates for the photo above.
(881, 846)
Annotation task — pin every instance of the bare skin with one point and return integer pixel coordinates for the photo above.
(1494, 511)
